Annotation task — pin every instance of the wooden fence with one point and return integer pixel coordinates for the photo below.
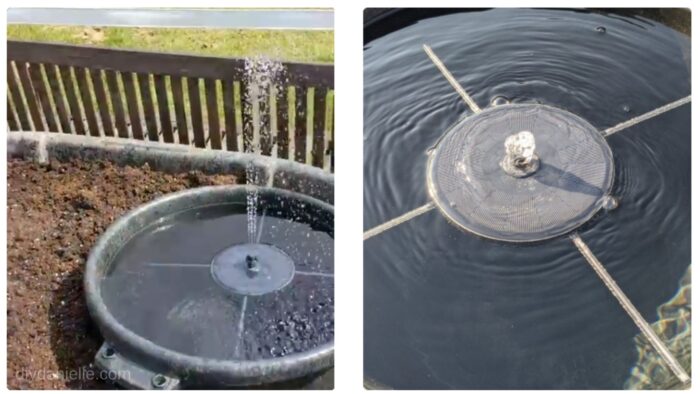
(203, 101)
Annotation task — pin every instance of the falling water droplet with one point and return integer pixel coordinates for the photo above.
(626, 108)
(260, 75)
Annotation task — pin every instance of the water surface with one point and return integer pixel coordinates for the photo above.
(160, 285)
(445, 309)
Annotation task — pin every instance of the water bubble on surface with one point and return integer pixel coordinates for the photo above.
(499, 100)
(601, 29)
(610, 203)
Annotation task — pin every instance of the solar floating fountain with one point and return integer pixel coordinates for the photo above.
(184, 298)
(221, 286)
(498, 298)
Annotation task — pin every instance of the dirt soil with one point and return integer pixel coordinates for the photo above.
(55, 212)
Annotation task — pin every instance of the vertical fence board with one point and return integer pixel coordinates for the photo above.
(196, 112)
(282, 122)
(265, 121)
(212, 113)
(132, 104)
(329, 133)
(86, 97)
(101, 95)
(254, 98)
(238, 104)
(310, 101)
(180, 112)
(273, 128)
(69, 88)
(319, 126)
(17, 98)
(149, 111)
(11, 121)
(229, 115)
(292, 122)
(117, 103)
(300, 125)
(40, 90)
(166, 124)
(32, 102)
(52, 75)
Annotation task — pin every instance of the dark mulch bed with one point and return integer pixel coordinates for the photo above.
(55, 213)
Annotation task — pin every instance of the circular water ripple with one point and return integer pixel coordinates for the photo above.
(444, 309)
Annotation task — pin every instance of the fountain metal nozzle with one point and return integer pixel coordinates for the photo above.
(520, 160)
(252, 264)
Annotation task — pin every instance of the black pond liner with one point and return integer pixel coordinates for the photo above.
(185, 299)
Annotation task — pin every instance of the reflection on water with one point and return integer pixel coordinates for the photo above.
(673, 327)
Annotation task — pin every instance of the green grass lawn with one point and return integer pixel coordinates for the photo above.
(285, 45)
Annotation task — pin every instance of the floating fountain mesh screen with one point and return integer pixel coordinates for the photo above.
(471, 189)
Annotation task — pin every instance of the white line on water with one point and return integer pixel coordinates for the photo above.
(260, 226)
(398, 220)
(641, 118)
(633, 313)
(445, 72)
(314, 274)
(241, 327)
(176, 265)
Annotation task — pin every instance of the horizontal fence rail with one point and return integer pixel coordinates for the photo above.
(203, 101)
